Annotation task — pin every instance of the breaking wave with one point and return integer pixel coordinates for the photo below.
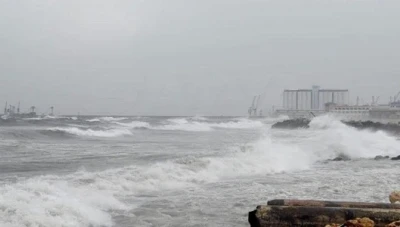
(109, 119)
(135, 124)
(183, 124)
(90, 132)
(86, 198)
(240, 124)
(336, 136)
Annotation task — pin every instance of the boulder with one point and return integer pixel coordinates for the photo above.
(396, 158)
(341, 157)
(380, 157)
(304, 123)
(360, 222)
(394, 224)
(292, 123)
(394, 196)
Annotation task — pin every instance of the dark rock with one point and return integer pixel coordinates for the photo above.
(396, 158)
(292, 123)
(341, 157)
(304, 123)
(380, 157)
(389, 127)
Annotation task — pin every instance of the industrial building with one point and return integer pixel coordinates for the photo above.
(303, 102)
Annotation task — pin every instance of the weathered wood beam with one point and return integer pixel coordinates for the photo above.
(313, 213)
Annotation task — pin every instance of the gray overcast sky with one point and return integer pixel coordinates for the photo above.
(187, 57)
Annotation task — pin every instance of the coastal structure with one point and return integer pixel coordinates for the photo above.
(252, 111)
(305, 103)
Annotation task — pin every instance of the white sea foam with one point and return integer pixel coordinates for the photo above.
(113, 118)
(85, 198)
(52, 201)
(184, 124)
(92, 133)
(199, 118)
(94, 120)
(135, 124)
(332, 135)
(107, 119)
(240, 124)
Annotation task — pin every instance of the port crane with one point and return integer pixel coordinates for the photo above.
(396, 96)
(254, 106)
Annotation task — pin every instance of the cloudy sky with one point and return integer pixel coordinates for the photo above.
(187, 57)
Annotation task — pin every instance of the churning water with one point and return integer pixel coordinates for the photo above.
(182, 171)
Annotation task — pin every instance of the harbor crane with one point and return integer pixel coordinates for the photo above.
(254, 106)
(396, 96)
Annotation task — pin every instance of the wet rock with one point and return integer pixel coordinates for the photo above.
(333, 225)
(380, 157)
(394, 196)
(292, 123)
(341, 157)
(360, 222)
(396, 158)
(394, 224)
(304, 123)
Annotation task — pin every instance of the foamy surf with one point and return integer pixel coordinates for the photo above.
(102, 197)
(184, 124)
(52, 201)
(92, 133)
(107, 119)
(87, 198)
(332, 134)
(135, 124)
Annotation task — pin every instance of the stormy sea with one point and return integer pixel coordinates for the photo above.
(182, 171)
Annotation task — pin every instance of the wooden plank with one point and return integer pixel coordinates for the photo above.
(313, 213)
(322, 203)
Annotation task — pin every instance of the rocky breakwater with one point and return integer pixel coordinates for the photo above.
(315, 213)
(292, 123)
(304, 123)
(389, 127)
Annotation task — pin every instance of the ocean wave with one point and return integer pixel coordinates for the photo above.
(199, 118)
(107, 119)
(334, 135)
(86, 198)
(113, 118)
(54, 201)
(93, 120)
(184, 124)
(135, 124)
(90, 132)
(239, 124)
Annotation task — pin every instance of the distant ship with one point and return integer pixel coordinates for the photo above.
(13, 113)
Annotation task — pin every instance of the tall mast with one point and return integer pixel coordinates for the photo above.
(256, 106)
(5, 109)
